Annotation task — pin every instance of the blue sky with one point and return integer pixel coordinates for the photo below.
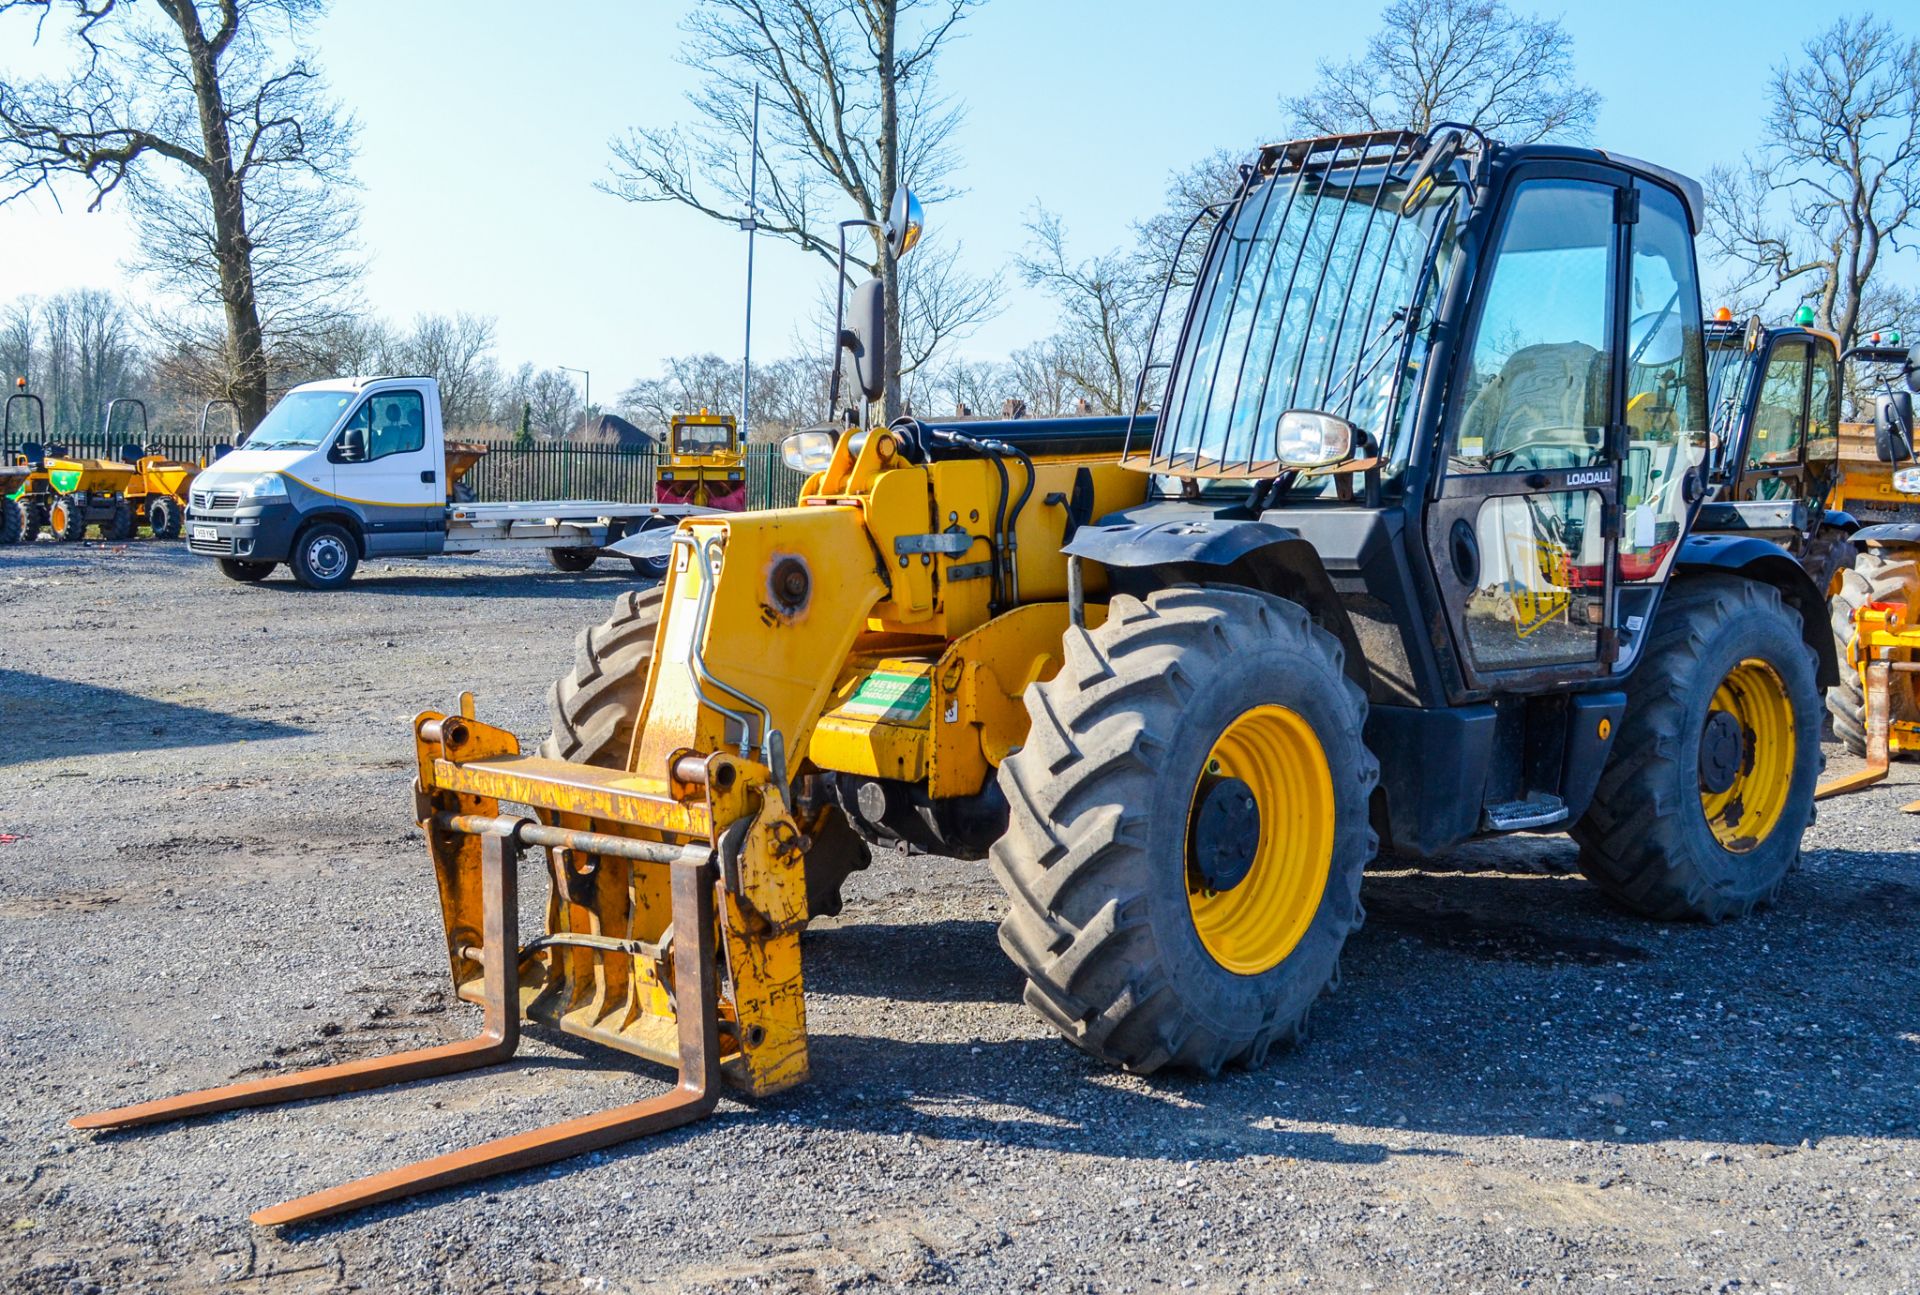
(484, 124)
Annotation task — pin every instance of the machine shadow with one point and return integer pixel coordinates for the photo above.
(93, 720)
(589, 586)
(1442, 1048)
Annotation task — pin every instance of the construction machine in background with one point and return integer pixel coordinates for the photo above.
(1875, 608)
(1774, 458)
(1405, 556)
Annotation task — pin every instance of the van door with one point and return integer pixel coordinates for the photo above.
(386, 468)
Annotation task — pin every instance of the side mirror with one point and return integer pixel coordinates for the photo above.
(1756, 334)
(1439, 154)
(865, 334)
(1893, 426)
(353, 445)
(905, 223)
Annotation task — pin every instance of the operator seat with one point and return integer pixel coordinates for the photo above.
(1539, 411)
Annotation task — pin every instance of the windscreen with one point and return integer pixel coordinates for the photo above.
(1304, 302)
(702, 438)
(1729, 366)
(301, 420)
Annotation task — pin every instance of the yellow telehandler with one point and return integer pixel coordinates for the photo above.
(1389, 567)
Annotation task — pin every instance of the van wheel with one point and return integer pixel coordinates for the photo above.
(325, 556)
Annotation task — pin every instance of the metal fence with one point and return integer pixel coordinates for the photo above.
(545, 470)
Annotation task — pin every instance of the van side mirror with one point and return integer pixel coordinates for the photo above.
(1893, 427)
(865, 334)
(353, 445)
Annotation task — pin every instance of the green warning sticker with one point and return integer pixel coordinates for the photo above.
(888, 695)
(64, 479)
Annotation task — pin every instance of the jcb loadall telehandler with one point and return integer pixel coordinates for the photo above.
(1403, 559)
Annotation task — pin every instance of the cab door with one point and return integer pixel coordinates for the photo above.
(1776, 441)
(1523, 532)
(385, 467)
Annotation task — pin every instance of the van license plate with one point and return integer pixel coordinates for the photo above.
(207, 533)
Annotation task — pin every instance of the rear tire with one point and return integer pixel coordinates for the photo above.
(1663, 835)
(13, 521)
(163, 517)
(33, 519)
(120, 526)
(596, 705)
(324, 556)
(572, 560)
(67, 521)
(246, 573)
(1876, 576)
(1106, 801)
(1826, 557)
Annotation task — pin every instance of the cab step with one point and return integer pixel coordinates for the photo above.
(1537, 810)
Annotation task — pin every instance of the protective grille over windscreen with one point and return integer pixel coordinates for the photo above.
(1303, 302)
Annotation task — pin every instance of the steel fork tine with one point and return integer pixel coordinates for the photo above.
(499, 1035)
(694, 1096)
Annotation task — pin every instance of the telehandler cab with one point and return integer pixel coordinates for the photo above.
(1404, 558)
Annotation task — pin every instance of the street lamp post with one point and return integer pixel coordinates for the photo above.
(586, 412)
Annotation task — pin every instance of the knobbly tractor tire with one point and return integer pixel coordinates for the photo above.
(1876, 576)
(247, 573)
(163, 517)
(13, 521)
(572, 560)
(1187, 830)
(1828, 555)
(324, 556)
(1709, 784)
(67, 521)
(595, 706)
(33, 519)
(120, 526)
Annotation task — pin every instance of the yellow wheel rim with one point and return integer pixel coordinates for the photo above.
(1254, 924)
(57, 517)
(1744, 812)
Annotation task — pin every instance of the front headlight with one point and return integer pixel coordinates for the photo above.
(809, 451)
(267, 485)
(1307, 438)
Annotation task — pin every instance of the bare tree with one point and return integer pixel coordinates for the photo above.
(1472, 61)
(1105, 307)
(852, 110)
(457, 351)
(78, 351)
(232, 155)
(1835, 182)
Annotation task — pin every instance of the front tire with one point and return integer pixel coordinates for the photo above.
(1878, 575)
(67, 520)
(325, 556)
(33, 519)
(1827, 557)
(1709, 785)
(163, 517)
(13, 521)
(1156, 927)
(120, 526)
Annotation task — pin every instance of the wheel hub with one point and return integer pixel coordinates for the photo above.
(327, 557)
(1226, 834)
(1722, 748)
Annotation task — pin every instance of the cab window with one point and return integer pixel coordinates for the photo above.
(1779, 420)
(1539, 370)
(1666, 384)
(387, 423)
(1823, 409)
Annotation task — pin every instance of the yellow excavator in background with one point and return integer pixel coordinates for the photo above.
(1388, 567)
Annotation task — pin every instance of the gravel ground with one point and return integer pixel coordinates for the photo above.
(203, 791)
